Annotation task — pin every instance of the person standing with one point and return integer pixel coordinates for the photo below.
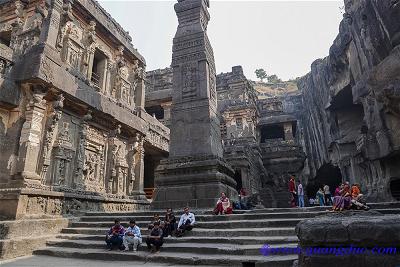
(320, 197)
(300, 193)
(292, 190)
(327, 195)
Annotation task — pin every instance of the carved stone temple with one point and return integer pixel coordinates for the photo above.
(195, 172)
(84, 128)
(73, 130)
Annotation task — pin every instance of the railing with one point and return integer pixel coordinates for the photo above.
(149, 192)
(95, 80)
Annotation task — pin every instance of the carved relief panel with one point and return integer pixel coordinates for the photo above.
(94, 160)
(118, 167)
(190, 80)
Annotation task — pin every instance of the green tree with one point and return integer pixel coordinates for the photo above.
(261, 74)
(274, 79)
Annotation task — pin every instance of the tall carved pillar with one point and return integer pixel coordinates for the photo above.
(31, 133)
(51, 25)
(78, 179)
(51, 131)
(167, 113)
(138, 192)
(140, 89)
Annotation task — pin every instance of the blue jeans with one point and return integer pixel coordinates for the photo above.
(115, 241)
(301, 201)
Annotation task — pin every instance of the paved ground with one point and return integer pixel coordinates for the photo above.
(45, 261)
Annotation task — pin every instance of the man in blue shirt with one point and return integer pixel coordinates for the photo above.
(114, 237)
(186, 222)
(132, 236)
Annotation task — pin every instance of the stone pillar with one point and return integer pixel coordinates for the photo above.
(51, 25)
(167, 113)
(195, 173)
(51, 131)
(30, 140)
(138, 192)
(288, 131)
(140, 88)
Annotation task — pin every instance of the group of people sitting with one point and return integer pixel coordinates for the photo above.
(123, 238)
(346, 197)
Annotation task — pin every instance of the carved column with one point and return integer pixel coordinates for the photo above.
(138, 191)
(108, 87)
(78, 179)
(51, 25)
(51, 129)
(140, 88)
(133, 149)
(167, 113)
(29, 142)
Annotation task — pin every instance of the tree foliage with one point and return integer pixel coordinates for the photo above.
(261, 74)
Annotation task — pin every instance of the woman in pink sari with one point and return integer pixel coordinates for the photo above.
(343, 201)
(223, 205)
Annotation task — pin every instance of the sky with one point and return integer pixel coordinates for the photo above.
(282, 37)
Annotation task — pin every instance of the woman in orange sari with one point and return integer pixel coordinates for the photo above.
(223, 205)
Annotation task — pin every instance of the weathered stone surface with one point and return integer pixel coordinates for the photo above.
(22, 237)
(351, 100)
(366, 230)
(195, 173)
(72, 121)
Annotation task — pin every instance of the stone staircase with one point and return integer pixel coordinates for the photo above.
(233, 240)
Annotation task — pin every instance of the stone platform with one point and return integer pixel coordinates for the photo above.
(233, 240)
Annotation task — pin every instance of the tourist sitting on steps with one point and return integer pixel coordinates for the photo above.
(343, 201)
(356, 198)
(156, 218)
(169, 223)
(155, 239)
(223, 205)
(115, 235)
(132, 236)
(186, 223)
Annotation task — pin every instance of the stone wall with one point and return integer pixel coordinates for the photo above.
(73, 128)
(351, 100)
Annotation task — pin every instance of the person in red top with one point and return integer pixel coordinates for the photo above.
(292, 190)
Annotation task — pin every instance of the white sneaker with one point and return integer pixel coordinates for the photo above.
(135, 250)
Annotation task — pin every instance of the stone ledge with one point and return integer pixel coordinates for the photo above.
(350, 228)
(21, 237)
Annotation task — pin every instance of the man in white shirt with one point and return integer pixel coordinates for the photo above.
(132, 236)
(186, 222)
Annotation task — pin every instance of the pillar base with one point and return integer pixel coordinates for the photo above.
(194, 182)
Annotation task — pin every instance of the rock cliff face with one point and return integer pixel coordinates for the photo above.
(351, 101)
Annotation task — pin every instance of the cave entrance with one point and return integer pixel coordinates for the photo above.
(238, 179)
(327, 174)
(272, 132)
(395, 188)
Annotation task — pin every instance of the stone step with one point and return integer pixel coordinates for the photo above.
(207, 218)
(269, 231)
(160, 212)
(241, 240)
(171, 258)
(373, 206)
(232, 217)
(212, 224)
(201, 248)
